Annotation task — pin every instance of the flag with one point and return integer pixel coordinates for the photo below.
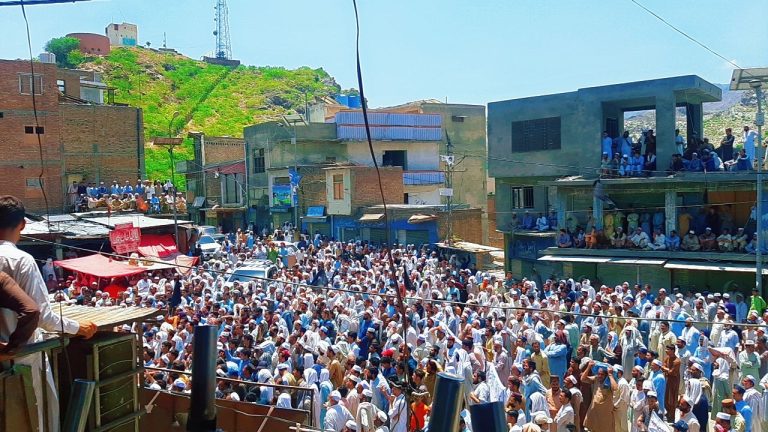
(657, 424)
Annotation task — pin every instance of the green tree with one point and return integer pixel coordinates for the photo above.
(62, 47)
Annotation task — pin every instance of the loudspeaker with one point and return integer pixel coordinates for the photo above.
(111, 361)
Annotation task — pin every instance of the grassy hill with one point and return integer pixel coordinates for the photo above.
(213, 99)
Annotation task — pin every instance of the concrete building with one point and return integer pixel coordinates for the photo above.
(92, 43)
(544, 153)
(78, 138)
(216, 180)
(124, 34)
(404, 144)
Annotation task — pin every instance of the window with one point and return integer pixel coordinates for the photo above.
(338, 186)
(62, 86)
(34, 182)
(535, 135)
(394, 158)
(258, 161)
(458, 119)
(522, 197)
(31, 130)
(330, 159)
(26, 83)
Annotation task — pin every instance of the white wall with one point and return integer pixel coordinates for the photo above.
(343, 206)
(427, 195)
(421, 155)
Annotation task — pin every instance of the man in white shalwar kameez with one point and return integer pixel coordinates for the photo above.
(22, 268)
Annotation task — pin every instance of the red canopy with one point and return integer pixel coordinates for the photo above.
(157, 245)
(99, 266)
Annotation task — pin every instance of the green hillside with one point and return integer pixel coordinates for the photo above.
(212, 99)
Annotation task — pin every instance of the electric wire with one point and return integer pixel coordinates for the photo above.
(687, 36)
(384, 295)
(364, 105)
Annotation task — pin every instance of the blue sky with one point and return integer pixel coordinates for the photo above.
(471, 51)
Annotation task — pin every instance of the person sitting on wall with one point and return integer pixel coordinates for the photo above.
(650, 163)
(659, 240)
(676, 164)
(619, 239)
(740, 240)
(690, 242)
(743, 163)
(639, 239)
(636, 163)
(673, 241)
(542, 223)
(580, 238)
(725, 241)
(605, 165)
(591, 239)
(695, 164)
(528, 221)
(564, 239)
(708, 240)
(751, 247)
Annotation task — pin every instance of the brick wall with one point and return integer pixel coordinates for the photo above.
(20, 163)
(365, 186)
(71, 80)
(312, 188)
(495, 238)
(223, 149)
(102, 142)
(467, 225)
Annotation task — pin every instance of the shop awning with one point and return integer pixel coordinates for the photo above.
(421, 218)
(633, 261)
(711, 266)
(580, 259)
(157, 245)
(182, 263)
(372, 217)
(99, 266)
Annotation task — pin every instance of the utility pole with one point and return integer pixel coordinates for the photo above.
(448, 191)
(759, 122)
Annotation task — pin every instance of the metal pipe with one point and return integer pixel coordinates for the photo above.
(79, 404)
(488, 417)
(759, 120)
(202, 407)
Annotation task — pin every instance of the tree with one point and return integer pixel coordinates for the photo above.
(61, 47)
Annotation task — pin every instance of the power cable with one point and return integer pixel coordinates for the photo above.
(385, 295)
(364, 105)
(687, 36)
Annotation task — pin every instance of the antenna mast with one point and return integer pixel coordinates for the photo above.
(223, 45)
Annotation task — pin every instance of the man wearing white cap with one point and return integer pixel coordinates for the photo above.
(755, 401)
(398, 412)
(501, 359)
(337, 415)
(749, 360)
(366, 412)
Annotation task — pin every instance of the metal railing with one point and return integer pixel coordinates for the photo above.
(312, 391)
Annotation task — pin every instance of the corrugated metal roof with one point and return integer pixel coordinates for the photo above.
(371, 217)
(357, 132)
(68, 229)
(389, 119)
(109, 316)
(138, 220)
(423, 177)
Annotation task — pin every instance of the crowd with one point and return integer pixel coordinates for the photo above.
(705, 228)
(327, 335)
(626, 157)
(144, 196)
(556, 353)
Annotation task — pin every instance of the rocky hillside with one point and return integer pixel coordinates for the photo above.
(216, 100)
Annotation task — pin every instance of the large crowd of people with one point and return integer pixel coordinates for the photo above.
(328, 335)
(144, 196)
(624, 156)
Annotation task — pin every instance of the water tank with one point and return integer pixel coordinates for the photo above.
(342, 99)
(354, 101)
(47, 57)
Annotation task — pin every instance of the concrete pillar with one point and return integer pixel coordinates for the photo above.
(670, 212)
(597, 212)
(695, 126)
(665, 130)
(561, 206)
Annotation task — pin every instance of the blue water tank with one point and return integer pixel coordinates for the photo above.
(342, 99)
(354, 101)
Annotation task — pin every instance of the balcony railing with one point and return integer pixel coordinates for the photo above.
(418, 178)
